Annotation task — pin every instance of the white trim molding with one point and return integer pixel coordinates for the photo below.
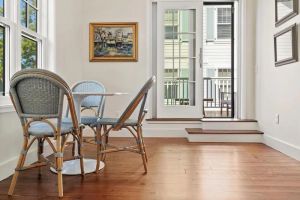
(7, 167)
(6, 108)
(282, 146)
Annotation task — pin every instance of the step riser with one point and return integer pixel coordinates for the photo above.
(230, 126)
(244, 138)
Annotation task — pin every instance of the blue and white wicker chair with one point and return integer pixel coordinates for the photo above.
(93, 103)
(134, 126)
(38, 97)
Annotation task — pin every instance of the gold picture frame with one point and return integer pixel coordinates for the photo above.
(113, 42)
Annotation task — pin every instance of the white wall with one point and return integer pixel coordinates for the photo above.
(277, 89)
(68, 39)
(117, 76)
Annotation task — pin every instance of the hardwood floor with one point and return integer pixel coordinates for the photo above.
(177, 170)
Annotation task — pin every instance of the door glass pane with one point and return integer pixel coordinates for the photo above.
(29, 53)
(179, 56)
(2, 54)
(33, 2)
(186, 20)
(2, 8)
(32, 18)
(23, 13)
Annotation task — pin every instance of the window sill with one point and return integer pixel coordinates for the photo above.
(6, 105)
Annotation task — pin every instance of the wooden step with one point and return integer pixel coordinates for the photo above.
(195, 131)
(227, 120)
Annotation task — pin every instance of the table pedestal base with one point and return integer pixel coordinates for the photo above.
(72, 167)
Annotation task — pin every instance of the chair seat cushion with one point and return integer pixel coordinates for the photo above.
(113, 121)
(86, 120)
(44, 129)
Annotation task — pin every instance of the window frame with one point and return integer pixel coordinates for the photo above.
(13, 34)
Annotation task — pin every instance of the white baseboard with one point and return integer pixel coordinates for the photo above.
(282, 146)
(7, 168)
(244, 138)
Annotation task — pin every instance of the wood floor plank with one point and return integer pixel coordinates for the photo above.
(178, 170)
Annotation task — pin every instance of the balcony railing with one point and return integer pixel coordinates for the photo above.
(216, 90)
(177, 91)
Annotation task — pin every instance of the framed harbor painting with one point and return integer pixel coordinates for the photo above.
(114, 41)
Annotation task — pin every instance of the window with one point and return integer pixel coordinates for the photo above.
(22, 38)
(218, 23)
(29, 53)
(171, 24)
(29, 14)
(29, 42)
(2, 8)
(224, 23)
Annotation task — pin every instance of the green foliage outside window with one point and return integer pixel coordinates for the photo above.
(29, 53)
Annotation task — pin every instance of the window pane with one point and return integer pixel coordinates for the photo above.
(179, 50)
(224, 31)
(2, 8)
(2, 67)
(33, 2)
(224, 15)
(29, 53)
(32, 18)
(23, 13)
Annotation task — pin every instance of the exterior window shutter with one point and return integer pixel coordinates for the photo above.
(210, 35)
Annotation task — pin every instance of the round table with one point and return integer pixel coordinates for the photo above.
(72, 167)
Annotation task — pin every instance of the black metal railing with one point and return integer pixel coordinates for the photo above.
(216, 89)
(177, 91)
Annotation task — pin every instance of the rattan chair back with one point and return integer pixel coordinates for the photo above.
(91, 101)
(39, 94)
(140, 99)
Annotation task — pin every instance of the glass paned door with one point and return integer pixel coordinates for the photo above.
(178, 56)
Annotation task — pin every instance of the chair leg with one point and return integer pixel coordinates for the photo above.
(59, 165)
(141, 148)
(80, 142)
(73, 146)
(20, 164)
(98, 142)
(143, 143)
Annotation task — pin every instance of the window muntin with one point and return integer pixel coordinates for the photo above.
(29, 53)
